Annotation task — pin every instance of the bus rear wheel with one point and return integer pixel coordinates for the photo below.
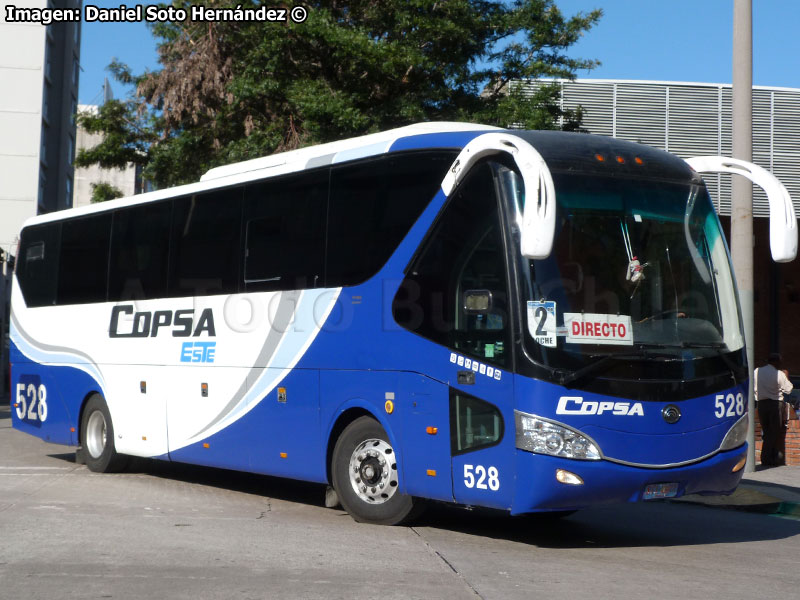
(97, 438)
(365, 476)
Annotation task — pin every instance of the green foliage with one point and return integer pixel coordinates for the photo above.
(105, 191)
(126, 137)
(231, 91)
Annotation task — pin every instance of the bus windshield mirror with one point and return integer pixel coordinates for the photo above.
(538, 219)
(782, 220)
(539, 212)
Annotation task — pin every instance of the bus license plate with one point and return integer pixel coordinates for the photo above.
(660, 490)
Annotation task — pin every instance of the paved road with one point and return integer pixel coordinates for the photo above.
(172, 531)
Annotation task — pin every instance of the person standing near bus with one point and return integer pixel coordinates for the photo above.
(771, 384)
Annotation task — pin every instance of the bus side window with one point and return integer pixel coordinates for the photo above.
(37, 264)
(284, 232)
(373, 205)
(474, 424)
(83, 264)
(139, 252)
(464, 252)
(204, 258)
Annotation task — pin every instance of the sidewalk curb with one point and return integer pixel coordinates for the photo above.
(789, 509)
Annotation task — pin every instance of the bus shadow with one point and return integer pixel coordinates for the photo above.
(291, 490)
(783, 490)
(5, 409)
(622, 526)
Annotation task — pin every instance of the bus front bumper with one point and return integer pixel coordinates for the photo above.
(604, 482)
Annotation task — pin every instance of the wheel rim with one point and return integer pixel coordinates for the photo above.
(96, 434)
(373, 471)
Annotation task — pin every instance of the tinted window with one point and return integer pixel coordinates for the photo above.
(474, 424)
(285, 233)
(83, 264)
(37, 264)
(373, 204)
(463, 254)
(205, 243)
(140, 252)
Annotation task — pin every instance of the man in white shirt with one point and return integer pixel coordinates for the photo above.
(771, 384)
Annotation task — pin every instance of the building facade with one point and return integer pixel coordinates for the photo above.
(39, 73)
(127, 180)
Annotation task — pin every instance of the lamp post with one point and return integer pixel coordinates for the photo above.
(742, 190)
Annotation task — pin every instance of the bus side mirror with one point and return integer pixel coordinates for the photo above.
(539, 213)
(782, 220)
(538, 220)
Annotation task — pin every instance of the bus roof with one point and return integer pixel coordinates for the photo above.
(560, 150)
(341, 151)
(280, 164)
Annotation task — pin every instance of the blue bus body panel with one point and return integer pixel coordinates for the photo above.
(453, 139)
(62, 415)
(605, 482)
(226, 449)
(486, 477)
(631, 434)
(417, 402)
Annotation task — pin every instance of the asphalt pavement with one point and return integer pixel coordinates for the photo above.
(768, 490)
(165, 530)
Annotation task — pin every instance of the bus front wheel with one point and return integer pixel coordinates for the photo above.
(365, 476)
(97, 438)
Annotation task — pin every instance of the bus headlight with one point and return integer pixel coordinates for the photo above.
(543, 436)
(737, 435)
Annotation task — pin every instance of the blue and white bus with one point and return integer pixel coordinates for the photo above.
(527, 321)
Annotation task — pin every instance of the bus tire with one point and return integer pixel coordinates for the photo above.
(97, 438)
(365, 476)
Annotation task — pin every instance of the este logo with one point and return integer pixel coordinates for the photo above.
(575, 405)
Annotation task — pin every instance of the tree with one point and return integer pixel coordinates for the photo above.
(126, 137)
(105, 191)
(235, 90)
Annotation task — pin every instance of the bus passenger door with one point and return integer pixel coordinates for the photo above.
(482, 446)
(426, 443)
(456, 294)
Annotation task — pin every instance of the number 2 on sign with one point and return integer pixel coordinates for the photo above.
(482, 478)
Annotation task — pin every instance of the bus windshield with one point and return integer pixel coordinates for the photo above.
(635, 265)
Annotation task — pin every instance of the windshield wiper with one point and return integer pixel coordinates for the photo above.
(725, 356)
(646, 351)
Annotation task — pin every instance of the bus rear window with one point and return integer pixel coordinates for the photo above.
(37, 271)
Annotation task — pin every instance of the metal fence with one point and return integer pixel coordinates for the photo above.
(692, 119)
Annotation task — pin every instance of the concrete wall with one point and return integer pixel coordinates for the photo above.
(123, 179)
(22, 54)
